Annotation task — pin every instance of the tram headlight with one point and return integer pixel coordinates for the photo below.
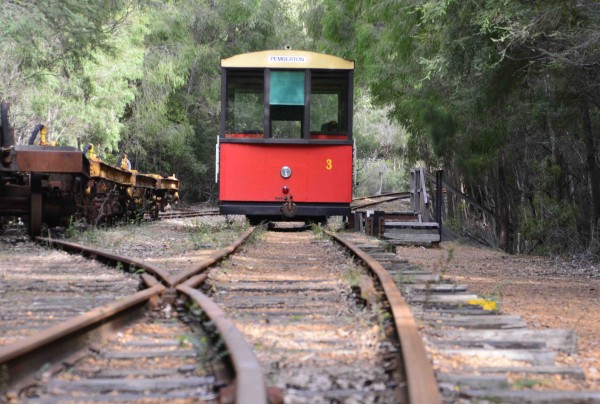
(286, 172)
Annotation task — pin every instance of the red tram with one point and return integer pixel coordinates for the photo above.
(285, 148)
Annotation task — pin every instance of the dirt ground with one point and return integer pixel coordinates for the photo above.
(547, 293)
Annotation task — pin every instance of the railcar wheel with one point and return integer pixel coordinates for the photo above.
(153, 212)
(35, 205)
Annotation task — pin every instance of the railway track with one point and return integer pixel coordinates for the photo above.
(166, 342)
(87, 372)
(151, 359)
(374, 200)
(41, 287)
(480, 354)
(185, 213)
(317, 323)
(287, 294)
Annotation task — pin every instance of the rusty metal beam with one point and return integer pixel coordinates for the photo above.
(48, 159)
(421, 383)
(144, 181)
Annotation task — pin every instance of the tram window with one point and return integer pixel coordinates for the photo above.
(324, 111)
(287, 88)
(245, 103)
(329, 102)
(286, 98)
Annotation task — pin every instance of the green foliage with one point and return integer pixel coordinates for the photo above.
(175, 116)
(481, 86)
(134, 76)
(376, 176)
(317, 230)
(71, 65)
(552, 229)
(502, 92)
(381, 144)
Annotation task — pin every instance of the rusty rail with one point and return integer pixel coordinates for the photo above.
(107, 256)
(164, 276)
(249, 382)
(381, 199)
(20, 361)
(421, 383)
(213, 259)
(187, 213)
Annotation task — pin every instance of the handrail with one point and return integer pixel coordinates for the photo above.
(463, 196)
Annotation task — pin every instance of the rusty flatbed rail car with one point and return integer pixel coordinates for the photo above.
(30, 171)
(49, 184)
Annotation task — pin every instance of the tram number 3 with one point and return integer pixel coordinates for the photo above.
(328, 164)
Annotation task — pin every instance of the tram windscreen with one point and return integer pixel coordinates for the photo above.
(286, 98)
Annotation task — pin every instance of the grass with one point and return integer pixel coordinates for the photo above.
(317, 230)
(352, 275)
(528, 383)
(296, 317)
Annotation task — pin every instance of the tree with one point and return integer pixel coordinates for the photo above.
(174, 121)
(489, 90)
(71, 65)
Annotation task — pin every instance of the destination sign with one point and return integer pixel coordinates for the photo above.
(287, 59)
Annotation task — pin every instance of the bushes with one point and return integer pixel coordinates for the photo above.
(551, 229)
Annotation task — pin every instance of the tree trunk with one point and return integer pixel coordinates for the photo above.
(449, 195)
(503, 207)
(592, 167)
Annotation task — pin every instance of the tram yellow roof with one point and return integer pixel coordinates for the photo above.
(288, 59)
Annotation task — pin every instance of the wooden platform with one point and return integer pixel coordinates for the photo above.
(410, 232)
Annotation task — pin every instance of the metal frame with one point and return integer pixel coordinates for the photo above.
(273, 209)
(307, 91)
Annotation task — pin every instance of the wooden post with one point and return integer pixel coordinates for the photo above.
(439, 199)
(376, 215)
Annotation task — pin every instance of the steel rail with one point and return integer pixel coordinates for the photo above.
(249, 383)
(421, 382)
(19, 362)
(110, 257)
(213, 259)
(184, 214)
(384, 198)
(379, 196)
